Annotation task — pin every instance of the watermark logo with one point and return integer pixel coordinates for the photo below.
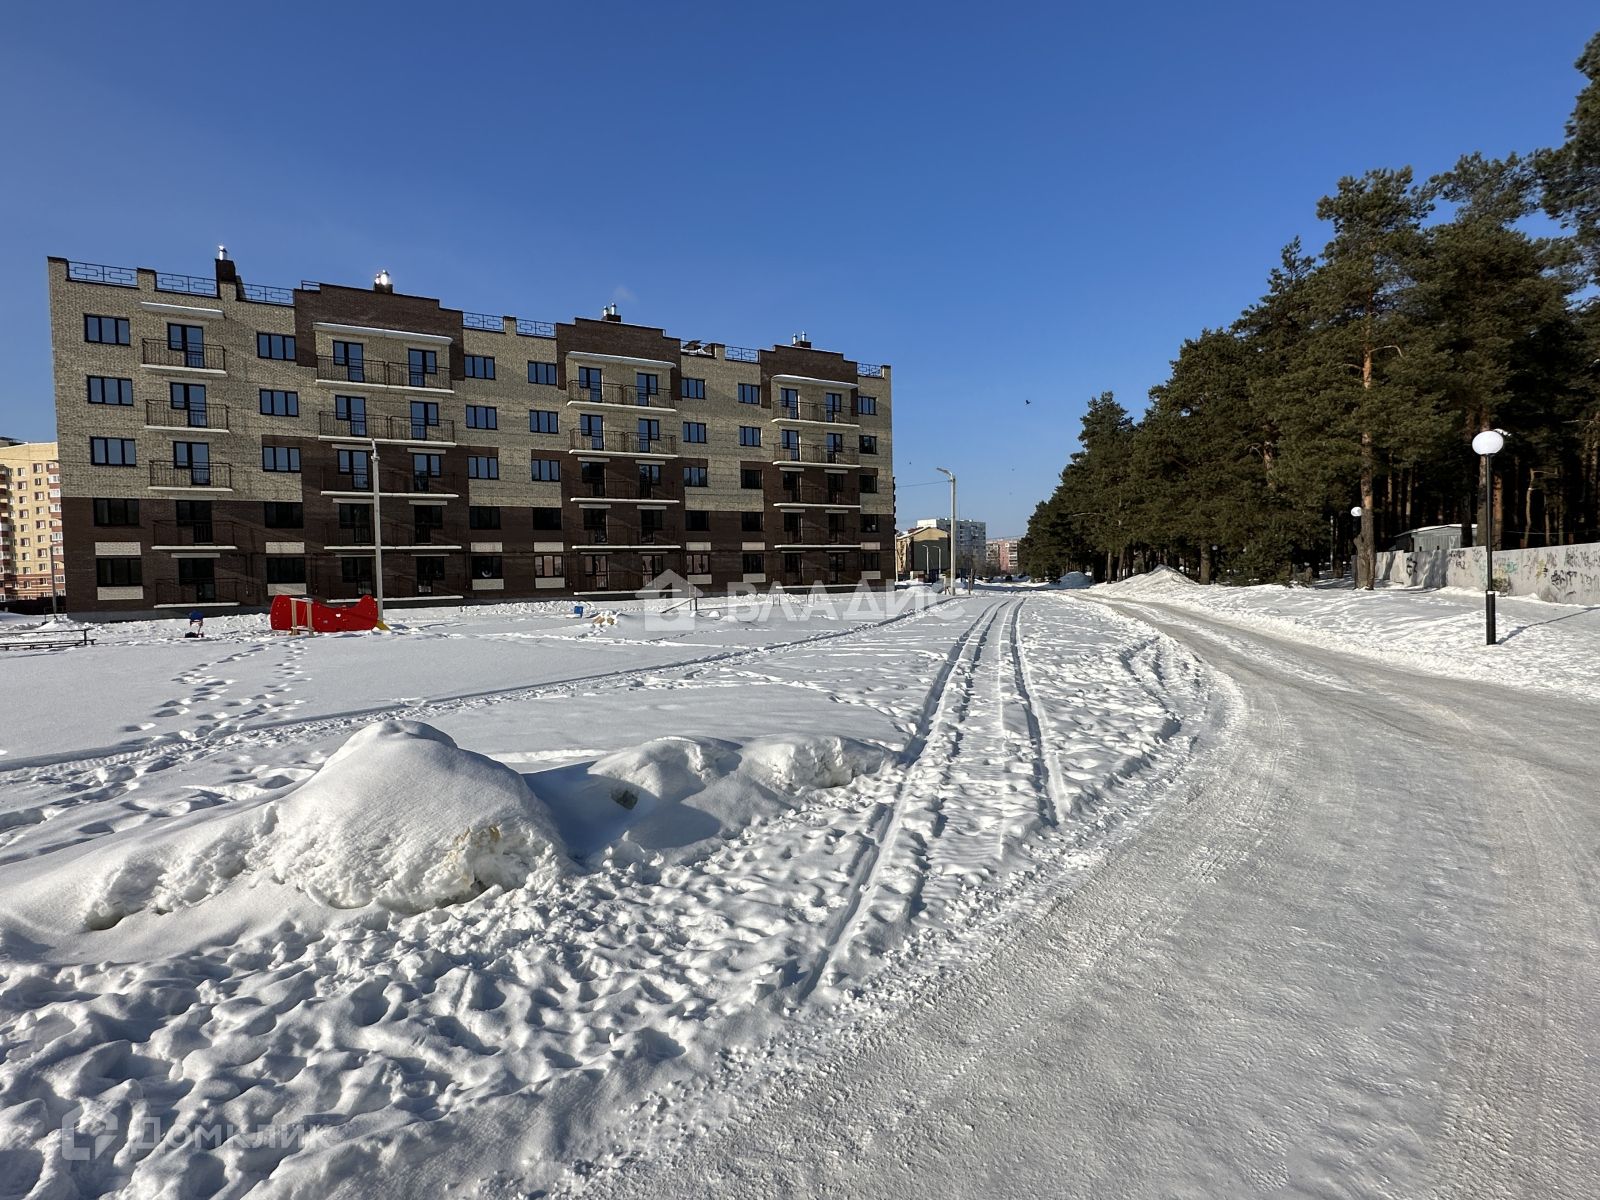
(91, 1131)
(684, 604)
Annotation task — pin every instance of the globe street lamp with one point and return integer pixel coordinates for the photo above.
(1487, 444)
(1356, 559)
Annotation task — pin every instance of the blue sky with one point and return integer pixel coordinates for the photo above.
(1006, 202)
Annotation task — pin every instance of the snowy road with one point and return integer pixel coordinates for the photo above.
(1352, 953)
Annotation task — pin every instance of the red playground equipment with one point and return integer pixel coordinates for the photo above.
(300, 614)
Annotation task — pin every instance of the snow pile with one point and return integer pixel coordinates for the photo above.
(1074, 580)
(403, 817)
(676, 793)
(1160, 581)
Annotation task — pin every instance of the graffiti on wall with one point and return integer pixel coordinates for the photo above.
(1563, 574)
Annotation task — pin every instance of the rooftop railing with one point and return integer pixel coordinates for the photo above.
(544, 329)
(186, 285)
(741, 354)
(81, 272)
(260, 293)
(869, 370)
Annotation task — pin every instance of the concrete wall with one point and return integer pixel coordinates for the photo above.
(1565, 574)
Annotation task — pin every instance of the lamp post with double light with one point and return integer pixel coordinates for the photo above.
(1356, 558)
(1487, 444)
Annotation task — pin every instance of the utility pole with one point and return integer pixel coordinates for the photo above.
(951, 582)
(377, 529)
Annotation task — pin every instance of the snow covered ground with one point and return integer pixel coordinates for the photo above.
(1138, 890)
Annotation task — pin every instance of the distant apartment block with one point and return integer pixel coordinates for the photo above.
(223, 442)
(30, 520)
(1002, 556)
(971, 537)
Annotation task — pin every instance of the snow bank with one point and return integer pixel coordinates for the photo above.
(403, 817)
(1162, 581)
(675, 793)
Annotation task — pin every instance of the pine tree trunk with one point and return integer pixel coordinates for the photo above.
(1368, 560)
(1205, 563)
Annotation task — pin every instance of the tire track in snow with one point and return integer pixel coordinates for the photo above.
(882, 834)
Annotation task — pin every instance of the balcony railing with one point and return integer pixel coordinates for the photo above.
(811, 452)
(617, 393)
(157, 353)
(621, 441)
(628, 489)
(810, 410)
(80, 272)
(209, 475)
(377, 371)
(385, 428)
(160, 414)
(200, 533)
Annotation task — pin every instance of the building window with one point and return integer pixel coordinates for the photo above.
(356, 569)
(547, 470)
(103, 389)
(867, 406)
(694, 389)
(423, 363)
(283, 514)
(789, 398)
(645, 385)
(547, 566)
(353, 410)
(749, 393)
(355, 464)
(695, 477)
(750, 522)
(109, 331)
(590, 379)
(791, 564)
(547, 520)
(424, 415)
(352, 357)
(543, 420)
(482, 416)
(119, 572)
(869, 522)
(750, 477)
(483, 516)
(276, 345)
(190, 340)
(276, 403)
(869, 484)
(478, 366)
(834, 403)
(357, 516)
(542, 372)
(281, 569)
(116, 512)
(698, 563)
(835, 568)
(426, 467)
(693, 431)
(696, 521)
(483, 466)
(869, 443)
(112, 452)
(194, 457)
(487, 566)
(752, 562)
(869, 560)
(190, 399)
(280, 458)
(749, 435)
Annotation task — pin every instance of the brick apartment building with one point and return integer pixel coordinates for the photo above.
(30, 520)
(223, 442)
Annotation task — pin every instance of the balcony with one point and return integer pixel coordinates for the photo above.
(811, 412)
(375, 372)
(385, 429)
(627, 489)
(623, 442)
(204, 535)
(395, 483)
(617, 395)
(617, 534)
(217, 476)
(813, 452)
(154, 352)
(223, 593)
(159, 414)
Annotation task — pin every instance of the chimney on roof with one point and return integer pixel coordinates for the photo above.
(380, 282)
(609, 313)
(227, 272)
(800, 340)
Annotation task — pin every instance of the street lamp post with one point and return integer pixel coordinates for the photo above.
(377, 530)
(1357, 557)
(951, 581)
(1487, 444)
